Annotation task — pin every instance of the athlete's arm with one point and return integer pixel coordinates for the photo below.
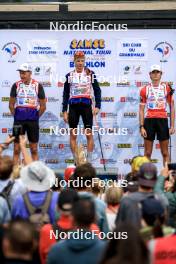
(42, 100)
(172, 126)
(12, 99)
(97, 91)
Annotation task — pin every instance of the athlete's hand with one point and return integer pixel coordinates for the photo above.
(95, 111)
(65, 117)
(143, 132)
(171, 131)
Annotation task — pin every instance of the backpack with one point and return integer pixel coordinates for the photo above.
(5, 193)
(38, 215)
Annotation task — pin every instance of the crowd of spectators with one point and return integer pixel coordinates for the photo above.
(86, 220)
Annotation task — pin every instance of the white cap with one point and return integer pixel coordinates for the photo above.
(24, 67)
(155, 67)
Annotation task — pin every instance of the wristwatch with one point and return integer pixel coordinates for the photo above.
(141, 126)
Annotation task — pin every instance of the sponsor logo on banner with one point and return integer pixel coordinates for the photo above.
(141, 146)
(129, 99)
(107, 99)
(12, 50)
(107, 146)
(52, 99)
(69, 161)
(107, 161)
(157, 146)
(104, 84)
(5, 130)
(43, 70)
(5, 99)
(124, 145)
(46, 83)
(42, 50)
(94, 49)
(60, 84)
(141, 83)
(7, 115)
(130, 115)
(134, 69)
(63, 146)
(45, 130)
(6, 83)
(52, 161)
(164, 50)
(48, 116)
(123, 83)
(45, 146)
(37, 70)
(130, 131)
(106, 115)
(127, 161)
(131, 49)
(154, 160)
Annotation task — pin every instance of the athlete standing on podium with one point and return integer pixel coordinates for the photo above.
(79, 87)
(155, 97)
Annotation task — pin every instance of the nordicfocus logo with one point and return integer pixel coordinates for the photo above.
(81, 131)
(45, 130)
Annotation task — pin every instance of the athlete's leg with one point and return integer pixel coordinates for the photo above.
(165, 151)
(148, 146)
(32, 128)
(16, 153)
(34, 150)
(73, 138)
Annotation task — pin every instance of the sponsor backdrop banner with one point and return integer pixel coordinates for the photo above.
(121, 61)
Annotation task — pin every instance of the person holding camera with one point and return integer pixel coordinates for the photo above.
(155, 97)
(27, 103)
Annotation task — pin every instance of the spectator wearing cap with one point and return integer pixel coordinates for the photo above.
(155, 97)
(153, 220)
(86, 248)
(27, 103)
(166, 185)
(78, 95)
(130, 208)
(50, 234)
(132, 177)
(38, 179)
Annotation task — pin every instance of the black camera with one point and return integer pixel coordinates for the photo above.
(172, 166)
(17, 130)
